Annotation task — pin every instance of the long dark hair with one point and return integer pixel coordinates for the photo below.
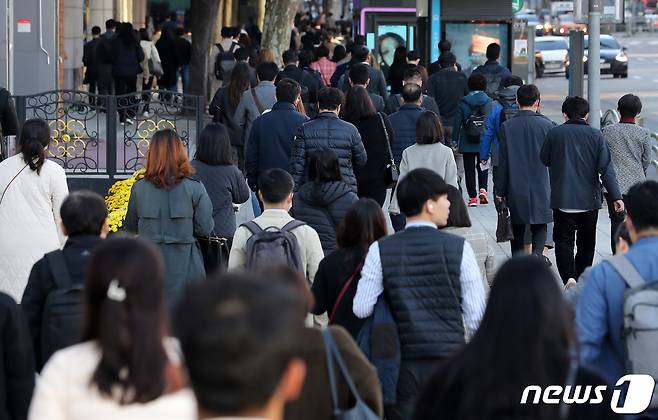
(34, 138)
(358, 104)
(363, 224)
(239, 82)
(323, 166)
(458, 216)
(214, 146)
(525, 337)
(125, 316)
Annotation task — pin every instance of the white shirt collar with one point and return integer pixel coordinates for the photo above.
(420, 223)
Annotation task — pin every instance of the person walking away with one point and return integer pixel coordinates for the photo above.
(90, 63)
(242, 56)
(504, 108)
(255, 102)
(522, 180)
(275, 192)
(630, 151)
(328, 131)
(84, 221)
(324, 199)
(429, 152)
(223, 181)
(422, 261)
(361, 54)
(494, 73)
(578, 160)
(445, 47)
(323, 65)
(108, 377)
(151, 69)
(608, 343)
(376, 134)
(271, 137)
(104, 59)
(413, 58)
(32, 189)
(397, 69)
(184, 51)
(359, 75)
(170, 209)
(166, 46)
(468, 128)
(128, 56)
(527, 328)
(225, 102)
(305, 59)
(224, 56)
(17, 363)
(411, 75)
(292, 70)
(363, 224)
(448, 86)
(459, 223)
(8, 121)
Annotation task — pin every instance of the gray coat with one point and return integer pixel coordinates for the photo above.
(247, 111)
(521, 176)
(171, 218)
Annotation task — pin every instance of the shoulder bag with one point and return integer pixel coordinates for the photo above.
(214, 251)
(392, 172)
(10, 182)
(342, 293)
(259, 105)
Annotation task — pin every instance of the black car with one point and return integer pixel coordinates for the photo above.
(614, 59)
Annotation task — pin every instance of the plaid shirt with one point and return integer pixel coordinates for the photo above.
(326, 68)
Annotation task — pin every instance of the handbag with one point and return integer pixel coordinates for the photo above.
(214, 251)
(155, 68)
(2, 197)
(504, 231)
(392, 172)
(360, 410)
(343, 290)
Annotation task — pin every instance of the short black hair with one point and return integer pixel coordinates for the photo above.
(412, 73)
(179, 31)
(429, 129)
(330, 98)
(416, 188)
(290, 57)
(96, 30)
(323, 166)
(360, 54)
(359, 39)
(238, 334)
(444, 46)
(288, 90)
(83, 212)
(226, 32)
(477, 82)
(359, 74)
(322, 51)
(575, 107)
(527, 95)
(267, 71)
(629, 106)
(241, 54)
(493, 51)
(411, 93)
(413, 55)
(214, 145)
(447, 59)
(275, 185)
(642, 206)
(110, 24)
(513, 81)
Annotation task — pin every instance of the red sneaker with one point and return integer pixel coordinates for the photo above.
(472, 202)
(484, 199)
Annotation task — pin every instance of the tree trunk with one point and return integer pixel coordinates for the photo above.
(203, 16)
(279, 19)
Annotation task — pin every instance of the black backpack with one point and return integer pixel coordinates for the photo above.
(493, 82)
(474, 126)
(273, 246)
(63, 313)
(225, 61)
(508, 112)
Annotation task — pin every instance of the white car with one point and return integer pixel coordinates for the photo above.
(550, 54)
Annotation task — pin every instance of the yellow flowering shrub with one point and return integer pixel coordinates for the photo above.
(117, 198)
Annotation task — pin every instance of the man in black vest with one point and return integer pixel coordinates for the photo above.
(431, 282)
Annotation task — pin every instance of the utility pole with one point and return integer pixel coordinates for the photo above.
(594, 64)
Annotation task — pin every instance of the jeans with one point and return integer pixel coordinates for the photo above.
(538, 234)
(185, 77)
(616, 219)
(471, 166)
(570, 228)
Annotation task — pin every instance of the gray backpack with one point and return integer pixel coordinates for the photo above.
(640, 332)
(273, 246)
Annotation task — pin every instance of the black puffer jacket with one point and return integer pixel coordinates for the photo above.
(323, 207)
(326, 130)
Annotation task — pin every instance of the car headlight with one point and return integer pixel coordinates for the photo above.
(561, 30)
(539, 26)
(622, 57)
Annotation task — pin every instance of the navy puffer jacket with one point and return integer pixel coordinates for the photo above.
(326, 130)
(404, 127)
(323, 207)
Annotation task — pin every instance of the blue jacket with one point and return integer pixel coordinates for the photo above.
(493, 67)
(489, 143)
(599, 313)
(404, 129)
(270, 140)
(464, 110)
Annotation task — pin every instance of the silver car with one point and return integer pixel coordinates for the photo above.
(550, 54)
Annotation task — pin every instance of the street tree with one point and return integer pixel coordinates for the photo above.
(279, 19)
(203, 17)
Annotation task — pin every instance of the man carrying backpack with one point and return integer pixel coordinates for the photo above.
(492, 70)
(616, 320)
(52, 300)
(275, 238)
(224, 55)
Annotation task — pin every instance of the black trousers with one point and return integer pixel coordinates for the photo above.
(471, 166)
(146, 97)
(616, 219)
(413, 376)
(127, 105)
(398, 221)
(570, 229)
(538, 233)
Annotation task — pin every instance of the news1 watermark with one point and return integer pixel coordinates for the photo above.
(638, 396)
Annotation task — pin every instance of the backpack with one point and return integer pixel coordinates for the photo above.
(225, 61)
(493, 82)
(640, 333)
(273, 246)
(474, 126)
(508, 112)
(63, 313)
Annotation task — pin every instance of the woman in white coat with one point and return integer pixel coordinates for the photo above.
(32, 189)
(151, 68)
